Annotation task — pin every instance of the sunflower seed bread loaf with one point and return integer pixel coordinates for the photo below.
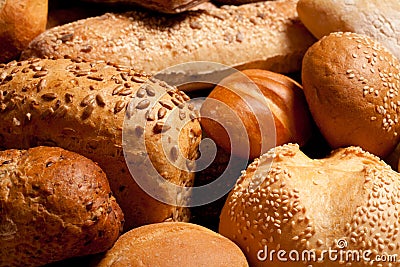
(265, 35)
(81, 106)
(54, 204)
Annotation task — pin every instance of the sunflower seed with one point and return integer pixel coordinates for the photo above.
(49, 96)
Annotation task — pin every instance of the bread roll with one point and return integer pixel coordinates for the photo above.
(55, 204)
(377, 19)
(166, 6)
(351, 85)
(20, 22)
(287, 202)
(173, 244)
(259, 100)
(81, 106)
(265, 35)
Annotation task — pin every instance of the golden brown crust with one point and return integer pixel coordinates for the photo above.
(304, 204)
(265, 35)
(173, 244)
(374, 18)
(20, 22)
(244, 93)
(351, 85)
(81, 106)
(55, 204)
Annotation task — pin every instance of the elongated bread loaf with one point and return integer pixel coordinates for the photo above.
(81, 107)
(265, 35)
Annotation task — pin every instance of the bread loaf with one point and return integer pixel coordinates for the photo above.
(270, 106)
(376, 19)
(266, 35)
(166, 6)
(81, 106)
(55, 204)
(20, 22)
(173, 244)
(351, 85)
(285, 201)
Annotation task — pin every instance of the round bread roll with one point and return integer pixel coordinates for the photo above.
(374, 18)
(54, 204)
(173, 244)
(84, 107)
(251, 95)
(351, 85)
(286, 204)
(20, 22)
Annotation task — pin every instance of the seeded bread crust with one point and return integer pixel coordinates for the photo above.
(20, 22)
(81, 106)
(351, 84)
(55, 204)
(266, 35)
(305, 204)
(173, 244)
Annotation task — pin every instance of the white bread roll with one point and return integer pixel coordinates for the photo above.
(377, 19)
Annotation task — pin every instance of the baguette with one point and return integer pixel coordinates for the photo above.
(55, 204)
(81, 106)
(266, 35)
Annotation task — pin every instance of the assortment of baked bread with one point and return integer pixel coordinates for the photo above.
(101, 144)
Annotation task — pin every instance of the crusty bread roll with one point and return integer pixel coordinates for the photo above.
(287, 202)
(55, 204)
(351, 83)
(20, 22)
(166, 6)
(265, 35)
(173, 244)
(81, 106)
(378, 19)
(260, 99)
